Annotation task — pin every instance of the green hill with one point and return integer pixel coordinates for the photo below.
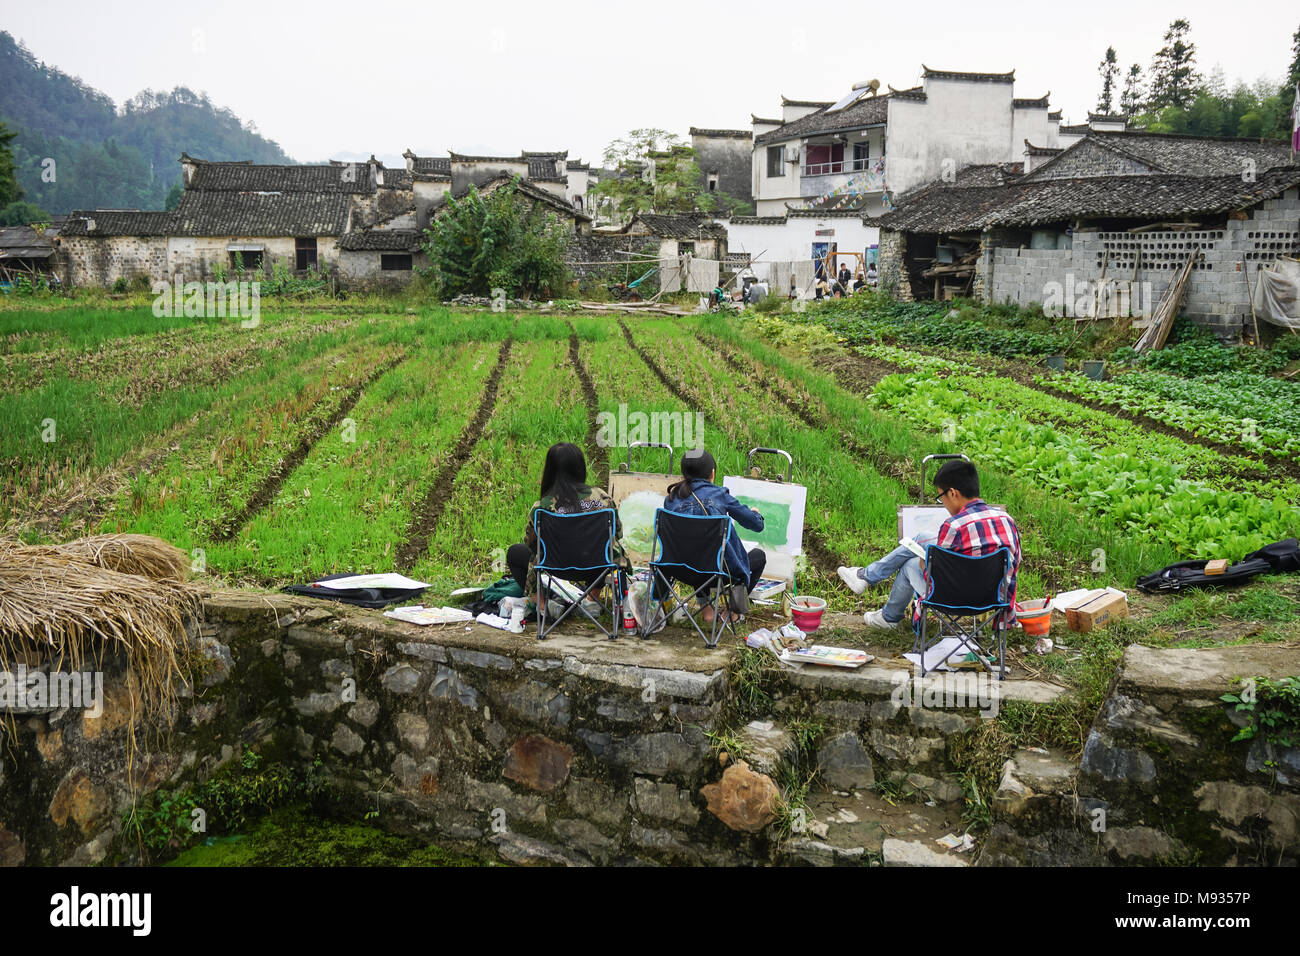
(105, 157)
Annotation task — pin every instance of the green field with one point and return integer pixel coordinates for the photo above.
(330, 440)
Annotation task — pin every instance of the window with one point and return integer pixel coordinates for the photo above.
(713, 182)
(862, 155)
(775, 161)
(305, 253)
(252, 258)
(395, 262)
(686, 248)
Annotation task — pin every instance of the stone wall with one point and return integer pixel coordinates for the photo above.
(1160, 780)
(607, 247)
(580, 750)
(90, 261)
(1216, 295)
(893, 247)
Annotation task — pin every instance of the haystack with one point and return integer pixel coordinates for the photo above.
(75, 603)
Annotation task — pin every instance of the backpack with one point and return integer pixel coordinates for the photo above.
(1282, 556)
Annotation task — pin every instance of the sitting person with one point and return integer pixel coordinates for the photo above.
(696, 494)
(873, 276)
(973, 527)
(564, 490)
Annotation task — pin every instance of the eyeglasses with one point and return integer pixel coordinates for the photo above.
(939, 498)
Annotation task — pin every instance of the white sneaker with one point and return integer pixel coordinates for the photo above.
(877, 620)
(850, 578)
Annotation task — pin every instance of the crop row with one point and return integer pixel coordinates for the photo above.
(540, 403)
(195, 497)
(1140, 493)
(1225, 409)
(1201, 462)
(348, 505)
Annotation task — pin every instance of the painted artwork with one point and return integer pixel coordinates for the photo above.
(782, 506)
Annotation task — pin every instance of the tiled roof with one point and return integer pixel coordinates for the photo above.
(118, 222)
(1076, 128)
(397, 179)
(1182, 155)
(19, 240)
(526, 188)
(989, 174)
(430, 164)
(818, 103)
(968, 77)
(947, 208)
(210, 213)
(1024, 104)
(247, 177)
(1033, 150)
(759, 119)
(1054, 115)
(757, 220)
(868, 111)
(544, 170)
(380, 240)
(1107, 117)
(722, 133)
(679, 227)
(462, 158)
(916, 93)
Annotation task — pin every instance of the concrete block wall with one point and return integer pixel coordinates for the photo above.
(1216, 296)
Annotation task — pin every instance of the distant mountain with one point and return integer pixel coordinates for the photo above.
(105, 157)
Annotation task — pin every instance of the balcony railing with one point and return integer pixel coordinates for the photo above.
(843, 166)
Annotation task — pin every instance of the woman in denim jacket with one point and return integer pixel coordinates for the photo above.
(696, 494)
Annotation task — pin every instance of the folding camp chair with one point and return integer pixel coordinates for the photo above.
(688, 548)
(963, 586)
(579, 548)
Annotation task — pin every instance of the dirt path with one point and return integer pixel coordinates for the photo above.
(592, 402)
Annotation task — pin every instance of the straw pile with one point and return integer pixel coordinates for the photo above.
(102, 596)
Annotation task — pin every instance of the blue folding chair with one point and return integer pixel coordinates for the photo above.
(688, 548)
(963, 586)
(577, 547)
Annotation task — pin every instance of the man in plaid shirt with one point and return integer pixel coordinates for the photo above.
(974, 527)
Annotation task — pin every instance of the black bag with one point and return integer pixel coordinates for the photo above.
(1282, 556)
(361, 597)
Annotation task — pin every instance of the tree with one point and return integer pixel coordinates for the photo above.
(631, 187)
(1130, 101)
(654, 171)
(22, 214)
(1109, 70)
(502, 240)
(1174, 78)
(173, 197)
(9, 188)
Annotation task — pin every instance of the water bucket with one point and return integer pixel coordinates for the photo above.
(807, 612)
(1035, 617)
(1056, 363)
(1095, 369)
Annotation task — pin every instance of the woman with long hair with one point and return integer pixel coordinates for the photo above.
(564, 490)
(696, 494)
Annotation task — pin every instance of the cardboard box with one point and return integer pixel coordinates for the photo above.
(1097, 611)
(1217, 566)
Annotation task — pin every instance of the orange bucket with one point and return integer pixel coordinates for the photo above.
(1035, 617)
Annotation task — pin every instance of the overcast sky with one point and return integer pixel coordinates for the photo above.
(337, 79)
